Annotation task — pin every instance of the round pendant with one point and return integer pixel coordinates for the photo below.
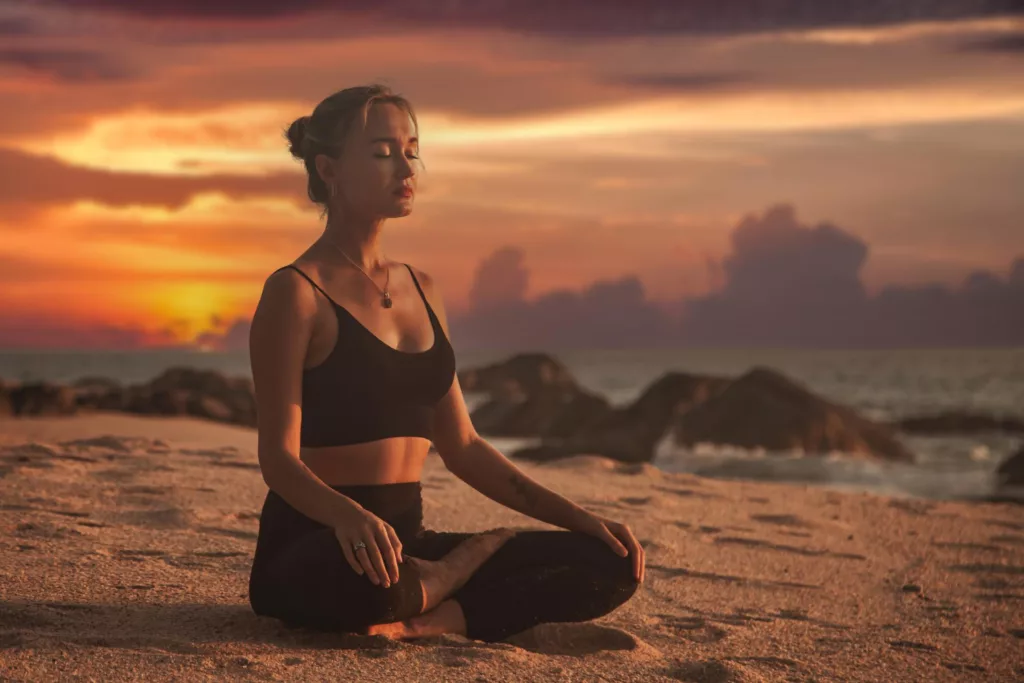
(386, 301)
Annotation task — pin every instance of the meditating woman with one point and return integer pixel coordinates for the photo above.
(355, 378)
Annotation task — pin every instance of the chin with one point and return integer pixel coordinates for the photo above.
(400, 209)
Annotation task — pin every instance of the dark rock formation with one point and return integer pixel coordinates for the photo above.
(41, 398)
(631, 433)
(765, 409)
(531, 395)
(1011, 471)
(187, 391)
(521, 375)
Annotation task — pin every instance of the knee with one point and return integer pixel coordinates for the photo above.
(613, 567)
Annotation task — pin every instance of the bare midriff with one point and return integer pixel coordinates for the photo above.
(386, 461)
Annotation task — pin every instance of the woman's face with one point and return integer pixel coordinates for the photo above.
(377, 170)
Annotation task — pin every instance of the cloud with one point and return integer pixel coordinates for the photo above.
(67, 66)
(783, 284)
(1010, 43)
(11, 27)
(788, 284)
(608, 314)
(29, 332)
(684, 82)
(234, 338)
(576, 17)
(500, 279)
(33, 179)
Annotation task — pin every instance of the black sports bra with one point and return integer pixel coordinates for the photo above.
(366, 390)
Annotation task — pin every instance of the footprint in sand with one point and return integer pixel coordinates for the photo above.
(241, 534)
(1015, 526)
(1008, 539)
(807, 552)
(911, 645)
(781, 520)
(693, 628)
(147, 490)
(139, 555)
(710, 671)
(675, 572)
(45, 530)
(162, 518)
(685, 493)
(576, 639)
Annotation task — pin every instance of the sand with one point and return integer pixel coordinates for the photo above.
(126, 545)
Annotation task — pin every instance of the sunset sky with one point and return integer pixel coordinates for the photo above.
(146, 189)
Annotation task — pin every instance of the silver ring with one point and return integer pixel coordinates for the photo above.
(358, 545)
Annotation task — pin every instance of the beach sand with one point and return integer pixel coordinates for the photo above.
(126, 545)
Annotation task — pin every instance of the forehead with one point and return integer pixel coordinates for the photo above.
(387, 120)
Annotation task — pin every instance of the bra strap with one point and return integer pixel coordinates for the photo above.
(417, 283)
(317, 287)
(430, 309)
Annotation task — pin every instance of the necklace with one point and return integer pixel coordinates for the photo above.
(385, 300)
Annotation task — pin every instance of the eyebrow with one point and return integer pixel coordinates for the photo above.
(412, 141)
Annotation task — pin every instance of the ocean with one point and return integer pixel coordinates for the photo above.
(880, 384)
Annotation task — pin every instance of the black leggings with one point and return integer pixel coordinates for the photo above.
(301, 576)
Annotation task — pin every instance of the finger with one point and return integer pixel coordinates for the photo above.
(630, 543)
(350, 557)
(364, 559)
(396, 543)
(610, 539)
(637, 551)
(388, 553)
(378, 562)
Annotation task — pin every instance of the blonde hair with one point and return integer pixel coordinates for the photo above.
(325, 130)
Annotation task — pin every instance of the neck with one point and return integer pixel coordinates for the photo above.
(359, 240)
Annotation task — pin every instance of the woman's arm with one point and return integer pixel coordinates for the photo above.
(281, 329)
(475, 461)
(280, 333)
(483, 467)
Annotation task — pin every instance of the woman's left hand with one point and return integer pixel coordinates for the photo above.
(619, 537)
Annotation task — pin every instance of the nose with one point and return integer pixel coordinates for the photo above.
(407, 168)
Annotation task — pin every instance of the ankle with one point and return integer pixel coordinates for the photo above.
(447, 617)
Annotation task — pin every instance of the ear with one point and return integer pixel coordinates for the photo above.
(326, 168)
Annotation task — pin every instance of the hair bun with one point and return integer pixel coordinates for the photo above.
(297, 137)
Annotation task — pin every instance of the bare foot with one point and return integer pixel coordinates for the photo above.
(445, 618)
(443, 577)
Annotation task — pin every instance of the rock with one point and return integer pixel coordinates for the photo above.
(521, 375)
(42, 398)
(765, 409)
(531, 394)
(1011, 471)
(187, 391)
(959, 422)
(551, 412)
(97, 393)
(630, 434)
(6, 409)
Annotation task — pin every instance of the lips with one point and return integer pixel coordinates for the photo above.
(404, 192)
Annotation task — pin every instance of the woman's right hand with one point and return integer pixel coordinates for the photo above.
(380, 558)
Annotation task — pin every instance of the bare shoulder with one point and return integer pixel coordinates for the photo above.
(286, 292)
(426, 281)
(432, 291)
